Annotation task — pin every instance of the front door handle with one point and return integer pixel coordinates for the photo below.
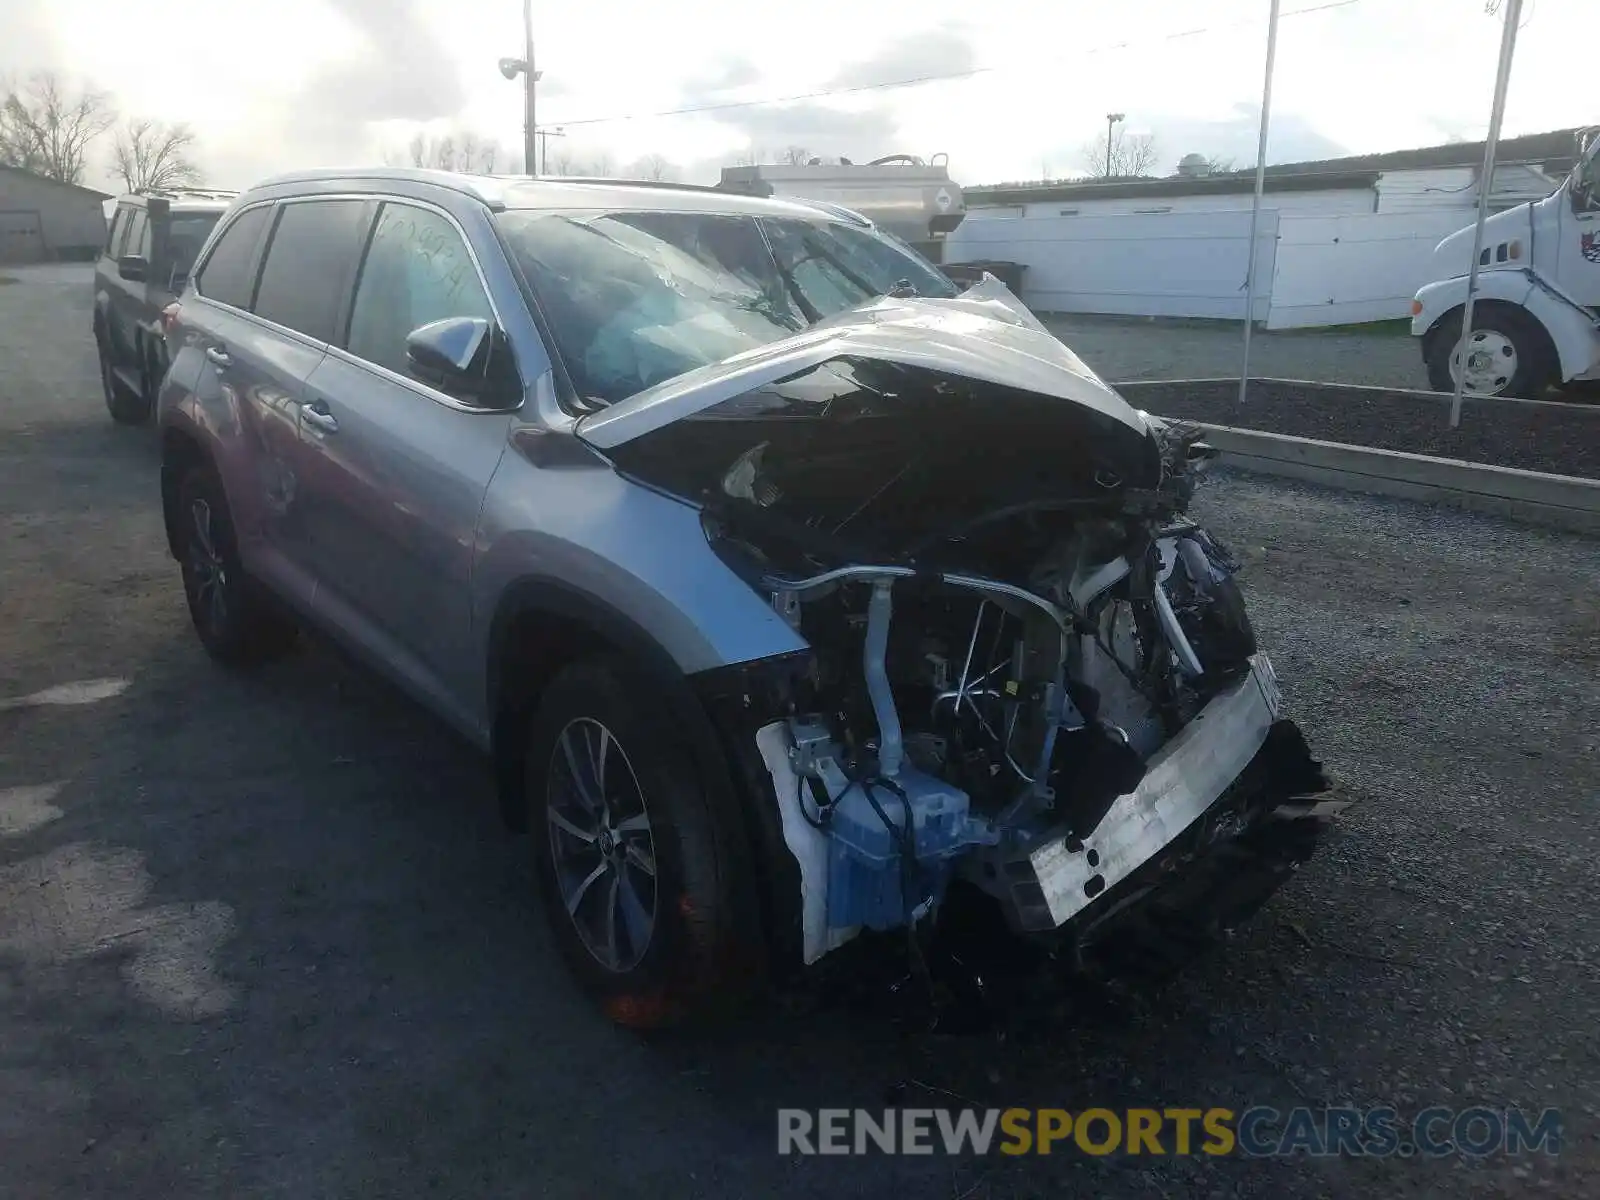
(318, 418)
(219, 357)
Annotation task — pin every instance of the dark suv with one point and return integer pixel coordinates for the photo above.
(154, 240)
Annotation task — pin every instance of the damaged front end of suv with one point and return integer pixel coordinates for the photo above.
(1028, 672)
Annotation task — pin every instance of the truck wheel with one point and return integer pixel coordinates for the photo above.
(634, 870)
(126, 406)
(236, 623)
(1509, 354)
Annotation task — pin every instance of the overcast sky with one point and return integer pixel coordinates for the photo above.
(270, 86)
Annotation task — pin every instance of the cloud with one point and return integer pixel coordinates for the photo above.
(823, 130)
(399, 73)
(945, 51)
(25, 43)
(720, 78)
(393, 72)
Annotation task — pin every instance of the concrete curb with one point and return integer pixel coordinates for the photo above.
(1557, 501)
(1422, 394)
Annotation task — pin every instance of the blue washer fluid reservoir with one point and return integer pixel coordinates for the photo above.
(865, 882)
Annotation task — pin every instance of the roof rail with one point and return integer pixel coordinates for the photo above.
(197, 193)
(609, 181)
(832, 209)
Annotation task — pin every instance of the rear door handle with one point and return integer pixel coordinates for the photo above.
(219, 357)
(318, 417)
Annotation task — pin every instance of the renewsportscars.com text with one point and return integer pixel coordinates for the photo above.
(1256, 1132)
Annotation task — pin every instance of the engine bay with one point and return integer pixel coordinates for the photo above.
(1029, 671)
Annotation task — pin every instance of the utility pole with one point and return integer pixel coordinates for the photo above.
(1508, 46)
(1111, 124)
(530, 78)
(544, 143)
(511, 68)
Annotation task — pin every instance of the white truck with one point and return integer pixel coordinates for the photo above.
(1536, 311)
(911, 199)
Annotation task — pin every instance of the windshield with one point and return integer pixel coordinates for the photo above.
(635, 298)
(186, 233)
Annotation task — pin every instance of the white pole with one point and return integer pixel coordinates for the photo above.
(1255, 204)
(1508, 44)
(530, 80)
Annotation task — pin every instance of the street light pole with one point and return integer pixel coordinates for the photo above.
(1255, 202)
(1111, 124)
(530, 77)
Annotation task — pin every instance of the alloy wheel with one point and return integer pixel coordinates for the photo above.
(601, 844)
(208, 573)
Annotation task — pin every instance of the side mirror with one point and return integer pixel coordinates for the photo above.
(133, 268)
(465, 357)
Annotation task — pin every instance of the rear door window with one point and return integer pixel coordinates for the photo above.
(229, 272)
(310, 258)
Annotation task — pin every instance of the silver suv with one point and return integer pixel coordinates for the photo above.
(798, 597)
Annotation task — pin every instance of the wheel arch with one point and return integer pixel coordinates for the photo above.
(1569, 339)
(540, 626)
(181, 451)
(1449, 324)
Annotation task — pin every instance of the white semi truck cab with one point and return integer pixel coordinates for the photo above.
(1536, 311)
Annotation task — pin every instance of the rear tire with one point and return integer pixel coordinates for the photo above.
(126, 406)
(1514, 351)
(634, 867)
(237, 624)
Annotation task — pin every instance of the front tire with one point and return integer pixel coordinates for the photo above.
(633, 866)
(236, 623)
(1509, 354)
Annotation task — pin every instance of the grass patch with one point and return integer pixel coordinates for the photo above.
(1399, 327)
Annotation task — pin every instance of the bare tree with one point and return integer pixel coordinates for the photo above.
(562, 163)
(1217, 165)
(654, 167)
(751, 156)
(795, 156)
(150, 156)
(1131, 156)
(601, 164)
(462, 150)
(47, 129)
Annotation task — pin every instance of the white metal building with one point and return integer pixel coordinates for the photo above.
(1342, 240)
(42, 220)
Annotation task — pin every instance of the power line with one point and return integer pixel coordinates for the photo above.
(919, 80)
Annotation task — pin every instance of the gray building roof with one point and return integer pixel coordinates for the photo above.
(34, 177)
(1555, 151)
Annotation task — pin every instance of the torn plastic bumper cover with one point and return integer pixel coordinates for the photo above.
(1056, 877)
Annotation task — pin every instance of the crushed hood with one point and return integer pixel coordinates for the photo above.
(984, 335)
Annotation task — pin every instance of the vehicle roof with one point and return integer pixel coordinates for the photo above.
(502, 192)
(183, 200)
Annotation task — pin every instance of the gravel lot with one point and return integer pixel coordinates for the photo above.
(1124, 348)
(262, 936)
